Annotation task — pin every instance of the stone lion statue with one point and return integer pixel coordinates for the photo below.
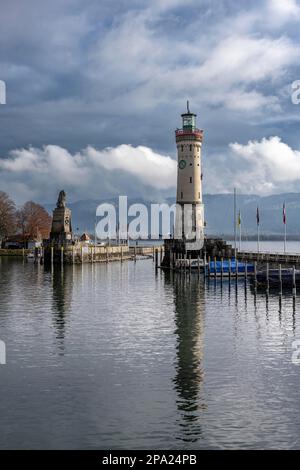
(61, 201)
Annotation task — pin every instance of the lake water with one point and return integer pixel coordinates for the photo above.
(114, 356)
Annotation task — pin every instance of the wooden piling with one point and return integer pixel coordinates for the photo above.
(222, 268)
(280, 280)
(156, 258)
(268, 281)
(229, 267)
(198, 265)
(255, 272)
(121, 254)
(62, 254)
(294, 280)
(52, 254)
(153, 253)
(215, 266)
(246, 269)
(209, 266)
(190, 265)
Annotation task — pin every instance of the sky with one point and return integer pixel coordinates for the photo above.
(95, 89)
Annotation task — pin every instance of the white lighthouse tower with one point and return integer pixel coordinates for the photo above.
(189, 225)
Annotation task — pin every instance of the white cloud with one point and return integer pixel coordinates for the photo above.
(261, 167)
(44, 171)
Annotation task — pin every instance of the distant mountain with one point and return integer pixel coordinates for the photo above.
(218, 213)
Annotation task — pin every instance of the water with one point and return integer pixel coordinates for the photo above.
(292, 246)
(113, 356)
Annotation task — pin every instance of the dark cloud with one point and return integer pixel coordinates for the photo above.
(108, 73)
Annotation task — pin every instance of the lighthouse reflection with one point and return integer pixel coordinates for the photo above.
(189, 315)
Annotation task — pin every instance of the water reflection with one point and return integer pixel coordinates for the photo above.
(62, 290)
(189, 314)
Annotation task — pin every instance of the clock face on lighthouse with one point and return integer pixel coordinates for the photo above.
(182, 164)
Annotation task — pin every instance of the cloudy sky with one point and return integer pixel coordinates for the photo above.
(95, 89)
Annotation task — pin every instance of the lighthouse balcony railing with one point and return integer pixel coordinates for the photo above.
(181, 132)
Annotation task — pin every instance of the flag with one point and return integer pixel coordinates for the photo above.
(239, 220)
(284, 214)
(257, 216)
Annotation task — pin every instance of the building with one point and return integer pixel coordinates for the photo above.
(188, 240)
(189, 225)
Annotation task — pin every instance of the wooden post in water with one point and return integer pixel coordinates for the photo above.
(185, 260)
(161, 255)
(268, 281)
(246, 269)
(280, 280)
(255, 272)
(209, 266)
(81, 253)
(121, 254)
(222, 268)
(153, 253)
(198, 265)
(229, 267)
(215, 266)
(190, 265)
(52, 254)
(236, 268)
(62, 254)
(294, 281)
(106, 253)
(73, 254)
(156, 258)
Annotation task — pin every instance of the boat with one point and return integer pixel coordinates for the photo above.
(272, 277)
(229, 267)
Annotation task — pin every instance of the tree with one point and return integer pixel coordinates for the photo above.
(34, 221)
(7, 215)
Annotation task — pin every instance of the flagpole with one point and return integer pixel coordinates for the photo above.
(257, 223)
(234, 208)
(284, 222)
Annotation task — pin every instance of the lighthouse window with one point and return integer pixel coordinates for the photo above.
(190, 147)
(181, 195)
(199, 195)
(191, 179)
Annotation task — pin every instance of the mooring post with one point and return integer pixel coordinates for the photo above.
(198, 260)
(52, 254)
(268, 276)
(221, 268)
(255, 272)
(81, 253)
(62, 254)
(215, 266)
(73, 254)
(121, 254)
(208, 266)
(185, 262)
(190, 264)
(246, 269)
(135, 253)
(156, 258)
(153, 253)
(229, 267)
(161, 255)
(236, 268)
(294, 280)
(280, 280)
(106, 253)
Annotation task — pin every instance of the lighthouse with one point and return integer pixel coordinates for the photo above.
(189, 224)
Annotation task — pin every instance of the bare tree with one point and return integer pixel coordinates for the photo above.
(7, 215)
(34, 221)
